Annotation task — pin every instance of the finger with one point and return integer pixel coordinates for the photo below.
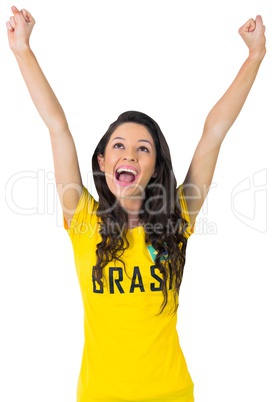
(252, 27)
(27, 16)
(15, 10)
(259, 23)
(12, 22)
(10, 28)
(259, 20)
(249, 26)
(17, 14)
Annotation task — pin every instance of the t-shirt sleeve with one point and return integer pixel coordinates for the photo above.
(184, 211)
(83, 215)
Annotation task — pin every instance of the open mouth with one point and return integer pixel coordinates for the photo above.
(125, 176)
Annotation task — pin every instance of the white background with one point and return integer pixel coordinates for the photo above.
(172, 60)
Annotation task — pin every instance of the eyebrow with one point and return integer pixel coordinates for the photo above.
(121, 138)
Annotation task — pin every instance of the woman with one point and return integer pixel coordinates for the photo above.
(130, 245)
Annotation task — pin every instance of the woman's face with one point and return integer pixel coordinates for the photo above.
(129, 161)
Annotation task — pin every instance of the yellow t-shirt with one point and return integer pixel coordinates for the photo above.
(130, 353)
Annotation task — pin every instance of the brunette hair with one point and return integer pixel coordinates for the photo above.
(163, 212)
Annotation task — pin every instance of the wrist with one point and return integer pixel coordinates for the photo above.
(21, 51)
(257, 55)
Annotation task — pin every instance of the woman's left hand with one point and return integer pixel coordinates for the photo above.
(253, 35)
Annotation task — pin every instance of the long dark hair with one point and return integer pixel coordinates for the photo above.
(163, 212)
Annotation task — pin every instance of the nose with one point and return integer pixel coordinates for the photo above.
(130, 156)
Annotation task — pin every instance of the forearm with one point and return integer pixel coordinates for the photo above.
(226, 110)
(41, 92)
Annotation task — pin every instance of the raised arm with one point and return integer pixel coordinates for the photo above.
(67, 173)
(221, 117)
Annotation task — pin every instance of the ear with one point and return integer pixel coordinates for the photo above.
(101, 162)
(155, 174)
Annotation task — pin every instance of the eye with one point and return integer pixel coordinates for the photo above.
(118, 145)
(143, 148)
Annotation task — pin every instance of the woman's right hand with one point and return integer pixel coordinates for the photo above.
(19, 29)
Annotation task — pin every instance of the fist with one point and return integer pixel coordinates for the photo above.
(253, 34)
(19, 29)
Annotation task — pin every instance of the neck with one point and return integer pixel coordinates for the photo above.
(132, 209)
(133, 222)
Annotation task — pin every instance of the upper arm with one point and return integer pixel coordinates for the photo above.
(199, 176)
(67, 172)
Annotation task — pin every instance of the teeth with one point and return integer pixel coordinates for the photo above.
(127, 170)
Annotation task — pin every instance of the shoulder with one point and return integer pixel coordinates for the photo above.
(184, 209)
(85, 210)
